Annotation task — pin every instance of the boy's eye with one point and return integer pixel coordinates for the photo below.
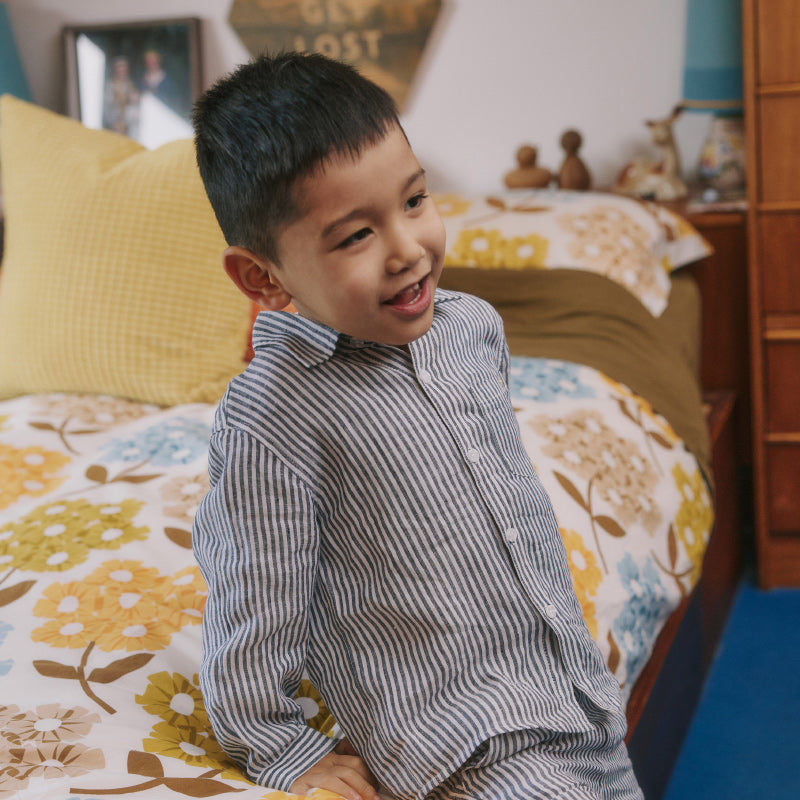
(355, 238)
(417, 200)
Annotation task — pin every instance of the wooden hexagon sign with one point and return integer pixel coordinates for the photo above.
(384, 39)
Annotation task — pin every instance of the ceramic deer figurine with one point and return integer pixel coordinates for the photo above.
(656, 180)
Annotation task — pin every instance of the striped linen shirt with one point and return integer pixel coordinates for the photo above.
(374, 519)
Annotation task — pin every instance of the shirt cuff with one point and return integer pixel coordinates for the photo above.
(302, 754)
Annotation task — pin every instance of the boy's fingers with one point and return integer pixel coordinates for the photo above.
(356, 764)
(353, 771)
(345, 775)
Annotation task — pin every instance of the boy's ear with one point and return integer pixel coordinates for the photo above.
(254, 277)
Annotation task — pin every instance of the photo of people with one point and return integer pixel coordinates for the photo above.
(139, 79)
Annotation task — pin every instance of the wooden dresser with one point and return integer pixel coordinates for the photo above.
(772, 113)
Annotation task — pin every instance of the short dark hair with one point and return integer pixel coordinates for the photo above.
(273, 121)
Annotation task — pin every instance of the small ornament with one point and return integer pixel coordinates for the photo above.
(573, 173)
(527, 175)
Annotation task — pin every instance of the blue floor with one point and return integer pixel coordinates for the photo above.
(744, 741)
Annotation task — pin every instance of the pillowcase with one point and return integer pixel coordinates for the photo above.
(635, 243)
(112, 277)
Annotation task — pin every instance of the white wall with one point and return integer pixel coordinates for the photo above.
(496, 74)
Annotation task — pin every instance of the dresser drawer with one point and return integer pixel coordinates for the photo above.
(783, 495)
(778, 54)
(779, 244)
(779, 160)
(782, 388)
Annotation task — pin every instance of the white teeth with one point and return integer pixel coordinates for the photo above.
(409, 295)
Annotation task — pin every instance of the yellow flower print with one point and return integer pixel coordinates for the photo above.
(187, 579)
(176, 700)
(586, 575)
(476, 247)
(184, 597)
(521, 252)
(183, 608)
(188, 744)
(143, 634)
(695, 516)
(315, 711)
(451, 205)
(72, 608)
(72, 635)
(59, 535)
(185, 730)
(122, 576)
(28, 471)
(76, 599)
(122, 605)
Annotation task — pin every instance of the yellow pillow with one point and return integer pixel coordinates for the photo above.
(112, 278)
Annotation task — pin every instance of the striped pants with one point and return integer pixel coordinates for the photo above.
(541, 765)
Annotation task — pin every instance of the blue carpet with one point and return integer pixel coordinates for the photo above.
(744, 741)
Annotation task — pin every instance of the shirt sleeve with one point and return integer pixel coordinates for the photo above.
(256, 542)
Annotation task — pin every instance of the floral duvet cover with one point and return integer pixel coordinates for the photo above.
(101, 600)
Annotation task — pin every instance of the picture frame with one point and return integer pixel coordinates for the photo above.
(139, 78)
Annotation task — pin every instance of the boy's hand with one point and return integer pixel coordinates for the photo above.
(341, 771)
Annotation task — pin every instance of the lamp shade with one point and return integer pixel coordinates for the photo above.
(12, 77)
(712, 74)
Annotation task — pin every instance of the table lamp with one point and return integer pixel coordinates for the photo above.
(12, 77)
(712, 82)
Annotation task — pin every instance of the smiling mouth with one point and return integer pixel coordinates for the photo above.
(408, 296)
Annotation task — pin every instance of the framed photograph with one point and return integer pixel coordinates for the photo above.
(138, 79)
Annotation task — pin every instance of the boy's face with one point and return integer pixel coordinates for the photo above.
(366, 255)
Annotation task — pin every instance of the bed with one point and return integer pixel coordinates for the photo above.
(118, 334)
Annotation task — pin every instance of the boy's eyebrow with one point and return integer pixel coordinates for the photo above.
(359, 212)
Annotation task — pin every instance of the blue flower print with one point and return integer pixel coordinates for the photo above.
(6, 663)
(636, 625)
(545, 381)
(175, 441)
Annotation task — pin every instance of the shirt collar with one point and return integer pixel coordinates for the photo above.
(311, 343)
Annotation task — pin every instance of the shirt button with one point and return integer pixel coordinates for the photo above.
(473, 455)
(512, 534)
(551, 611)
(425, 377)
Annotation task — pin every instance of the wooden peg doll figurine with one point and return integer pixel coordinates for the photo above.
(573, 173)
(527, 175)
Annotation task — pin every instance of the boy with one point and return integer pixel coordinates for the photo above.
(373, 517)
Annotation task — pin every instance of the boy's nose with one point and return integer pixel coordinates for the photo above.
(405, 252)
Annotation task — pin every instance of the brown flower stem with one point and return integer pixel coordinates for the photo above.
(123, 790)
(87, 689)
(62, 434)
(676, 576)
(647, 441)
(594, 525)
(7, 575)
